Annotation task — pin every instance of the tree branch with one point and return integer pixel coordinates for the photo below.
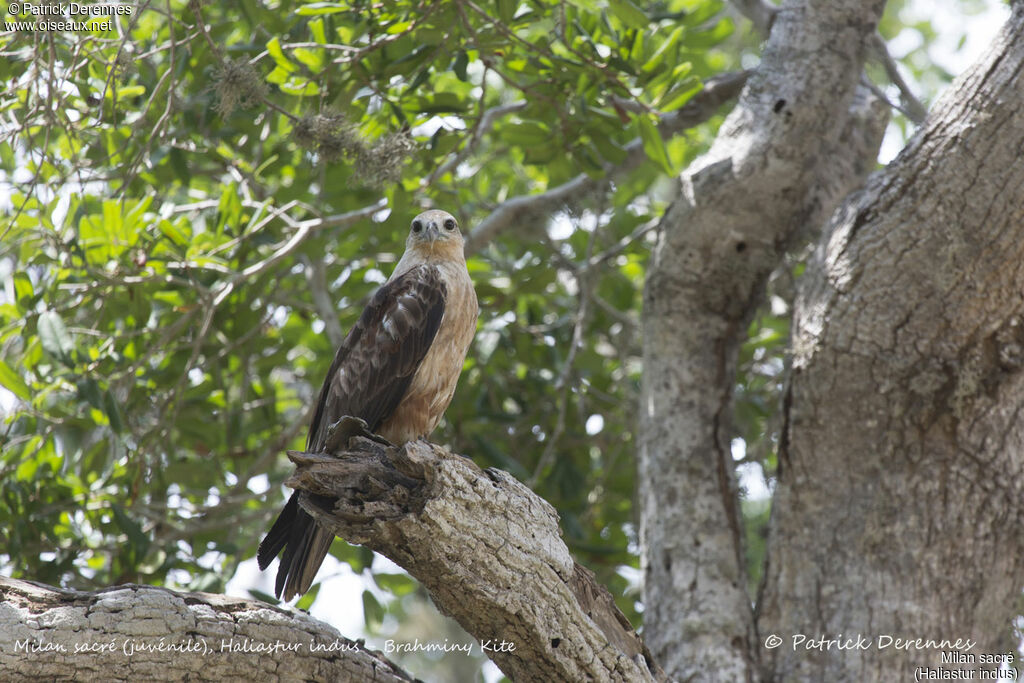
(760, 13)
(518, 211)
(130, 633)
(487, 549)
(316, 277)
(911, 106)
(303, 230)
(483, 126)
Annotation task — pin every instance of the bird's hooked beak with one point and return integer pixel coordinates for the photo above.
(431, 230)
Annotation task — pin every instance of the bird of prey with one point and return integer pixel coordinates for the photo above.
(397, 370)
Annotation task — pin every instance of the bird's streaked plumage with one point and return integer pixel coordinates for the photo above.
(397, 370)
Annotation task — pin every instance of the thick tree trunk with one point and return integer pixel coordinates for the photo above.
(800, 137)
(142, 633)
(900, 505)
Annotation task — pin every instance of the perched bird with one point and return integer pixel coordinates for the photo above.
(397, 370)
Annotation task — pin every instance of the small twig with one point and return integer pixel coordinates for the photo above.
(912, 107)
(760, 14)
(619, 246)
(157, 131)
(563, 383)
(880, 94)
(305, 229)
(630, 322)
(483, 125)
(254, 227)
(316, 277)
(525, 89)
(263, 463)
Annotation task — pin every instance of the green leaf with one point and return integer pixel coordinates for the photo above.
(113, 226)
(396, 584)
(129, 91)
(136, 536)
(459, 66)
(715, 35)
(90, 391)
(9, 312)
(373, 611)
(442, 103)
(609, 149)
(300, 86)
(357, 557)
(680, 94)
(651, 64)
(506, 10)
(7, 155)
(274, 48)
(420, 79)
(264, 597)
(113, 412)
(13, 382)
(55, 338)
(628, 13)
(527, 134)
(399, 27)
(320, 8)
(316, 27)
(171, 232)
(654, 146)
(23, 291)
(313, 59)
(306, 601)
(27, 469)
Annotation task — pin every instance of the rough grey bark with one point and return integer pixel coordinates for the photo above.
(800, 137)
(900, 504)
(142, 633)
(487, 549)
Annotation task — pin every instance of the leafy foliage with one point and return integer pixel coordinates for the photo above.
(198, 200)
(182, 196)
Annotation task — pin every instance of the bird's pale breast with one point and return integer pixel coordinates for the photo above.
(433, 385)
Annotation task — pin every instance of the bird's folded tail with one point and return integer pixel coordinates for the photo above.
(305, 546)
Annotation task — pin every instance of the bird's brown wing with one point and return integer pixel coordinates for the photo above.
(369, 376)
(373, 368)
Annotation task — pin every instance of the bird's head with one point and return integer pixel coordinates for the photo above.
(435, 234)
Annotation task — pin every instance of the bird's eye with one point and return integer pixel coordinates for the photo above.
(417, 226)
(449, 224)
